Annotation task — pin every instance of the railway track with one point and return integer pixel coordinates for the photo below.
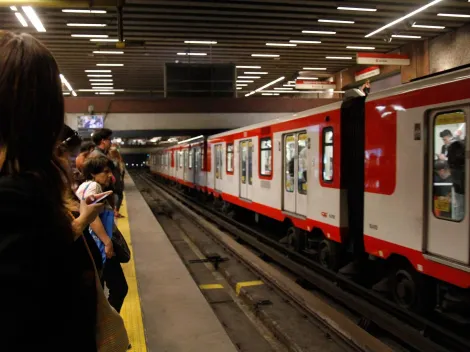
(414, 331)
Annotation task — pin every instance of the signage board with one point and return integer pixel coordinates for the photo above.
(382, 59)
(367, 73)
(314, 85)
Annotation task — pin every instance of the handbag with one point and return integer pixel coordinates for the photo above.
(121, 249)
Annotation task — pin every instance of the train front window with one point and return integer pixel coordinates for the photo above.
(449, 165)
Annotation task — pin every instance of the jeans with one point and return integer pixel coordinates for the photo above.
(116, 282)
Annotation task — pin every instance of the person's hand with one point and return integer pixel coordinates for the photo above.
(109, 249)
(89, 211)
(442, 157)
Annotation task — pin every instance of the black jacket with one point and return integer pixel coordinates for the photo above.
(47, 281)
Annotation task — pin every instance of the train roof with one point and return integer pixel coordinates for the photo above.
(401, 89)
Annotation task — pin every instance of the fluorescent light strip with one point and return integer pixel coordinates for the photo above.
(22, 20)
(83, 11)
(86, 24)
(269, 93)
(64, 81)
(339, 57)
(361, 47)
(73, 93)
(110, 52)
(290, 82)
(249, 77)
(105, 93)
(13, 8)
(199, 42)
(283, 88)
(280, 44)
(427, 26)
(239, 88)
(347, 8)
(102, 71)
(422, 8)
(65, 93)
(33, 17)
(406, 36)
(111, 65)
(308, 78)
(100, 75)
(315, 68)
(102, 88)
(241, 85)
(305, 41)
(255, 73)
(318, 32)
(302, 91)
(244, 81)
(105, 40)
(191, 54)
(101, 80)
(453, 15)
(101, 84)
(265, 86)
(289, 85)
(255, 67)
(335, 21)
(89, 35)
(265, 55)
(105, 89)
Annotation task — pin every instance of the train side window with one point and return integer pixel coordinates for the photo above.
(191, 156)
(302, 172)
(230, 158)
(448, 189)
(289, 160)
(265, 146)
(327, 163)
(202, 158)
(181, 159)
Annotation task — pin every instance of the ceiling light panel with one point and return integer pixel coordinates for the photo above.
(425, 26)
(406, 36)
(89, 35)
(111, 65)
(13, 8)
(241, 85)
(461, 15)
(200, 42)
(339, 57)
(104, 40)
(255, 73)
(308, 78)
(34, 18)
(364, 9)
(249, 77)
(102, 71)
(191, 54)
(277, 88)
(244, 81)
(101, 80)
(401, 19)
(265, 55)
(315, 68)
(305, 41)
(82, 11)
(101, 84)
(100, 75)
(281, 44)
(318, 32)
(109, 52)
(254, 67)
(335, 21)
(360, 47)
(86, 24)
(22, 20)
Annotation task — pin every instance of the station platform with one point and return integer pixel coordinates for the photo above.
(165, 309)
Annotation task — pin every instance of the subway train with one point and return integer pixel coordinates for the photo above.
(369, 182)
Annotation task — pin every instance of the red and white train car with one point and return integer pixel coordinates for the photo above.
(368, 174)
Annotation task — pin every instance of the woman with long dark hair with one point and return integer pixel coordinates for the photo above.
(48, 284)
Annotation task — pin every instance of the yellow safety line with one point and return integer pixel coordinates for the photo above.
(239, 285)
(131, 311)
(210, 286)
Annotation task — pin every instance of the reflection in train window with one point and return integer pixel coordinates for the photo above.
(449, 165)
(265, 157)
(230, 158)
(191, 156)
(327, 162)
(181, 159)
(289, 160)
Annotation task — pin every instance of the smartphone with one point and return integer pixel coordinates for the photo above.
(99, 200)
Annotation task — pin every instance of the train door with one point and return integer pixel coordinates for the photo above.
(218, 167)
(197, 165)
(246, 169)
(295, 173)
(185, 165)
(447, 235)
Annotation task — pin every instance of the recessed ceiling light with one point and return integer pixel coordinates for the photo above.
(406, 36)
(241, 85)
(318, 32)
(427, 26)
(244, 81)
(22, 20)
(191, 54)
(13, 8)
(255, 67)
(101, 80)
(104, 40)
(255, 73)
(339, 57)
(280, 44)
(89, 35)
(111, 52)
(305, 41)
(239, 88)
(265, 55)
(102, 71)
(347, 8)
(33, 17)
(308, 78)
(277, 88)
(361, 47)
(86, 24)
(199, 42)
(248, 77)
(398, 20)
(83, 11)
(453, 15)
(101, 84)
(100, 75)
(111, 65)
(335, 21)
(315, 68)
(66, 93)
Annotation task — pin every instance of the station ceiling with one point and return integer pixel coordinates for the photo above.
(156, 31)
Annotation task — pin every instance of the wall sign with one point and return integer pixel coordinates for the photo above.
(314, 85)
(367, 73)
(382, 59)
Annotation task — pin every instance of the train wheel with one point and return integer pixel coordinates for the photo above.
(411, 290)
(293, 239)
(328, 255)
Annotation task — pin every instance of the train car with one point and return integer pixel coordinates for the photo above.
(368, 175)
